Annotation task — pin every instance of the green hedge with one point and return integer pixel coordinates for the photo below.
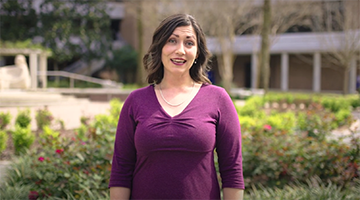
(338, 108)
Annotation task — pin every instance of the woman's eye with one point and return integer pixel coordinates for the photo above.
(172, 41)
(190, 43)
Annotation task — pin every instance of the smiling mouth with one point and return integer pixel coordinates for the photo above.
(178, 61)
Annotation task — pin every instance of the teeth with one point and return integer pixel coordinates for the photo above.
(178, 60)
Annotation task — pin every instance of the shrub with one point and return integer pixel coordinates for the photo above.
(5, 119)
(3, 140)
(82, 132)
(314, 189)
(252, 108)
(282, 121)
(23, 138)
(73, 170)
(43, 118)
(14, 192)
(23, 118)
(334, 104)
(115, 109)
(343, 116)
(354, 100)
(249, 123)
(273, 158)
(49, 136)
(316, 124)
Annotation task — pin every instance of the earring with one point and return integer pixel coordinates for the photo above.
(195, 61)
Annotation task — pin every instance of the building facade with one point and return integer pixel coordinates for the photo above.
(300, 61)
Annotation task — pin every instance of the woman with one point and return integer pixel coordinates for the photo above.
(167, 131)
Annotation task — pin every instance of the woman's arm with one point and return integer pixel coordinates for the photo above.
(228, 144)
(119, 193)
(233, 194)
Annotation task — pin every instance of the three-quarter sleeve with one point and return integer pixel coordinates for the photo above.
(124, 157)
(228, 143)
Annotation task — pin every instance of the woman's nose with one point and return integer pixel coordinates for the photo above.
(180, 49)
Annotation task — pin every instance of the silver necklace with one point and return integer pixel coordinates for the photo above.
(171, 104)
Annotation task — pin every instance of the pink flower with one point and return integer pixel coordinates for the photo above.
(267, 127)
(41, 159)
(33, 195)
(59, 151)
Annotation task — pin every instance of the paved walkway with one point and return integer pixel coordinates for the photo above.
(70, 113)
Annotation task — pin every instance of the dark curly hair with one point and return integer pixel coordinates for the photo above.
(152, 59)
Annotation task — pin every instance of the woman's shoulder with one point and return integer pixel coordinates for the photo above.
(142, 92)
(214, 90)
(139, 95)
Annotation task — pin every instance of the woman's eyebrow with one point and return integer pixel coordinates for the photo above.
(191, 36)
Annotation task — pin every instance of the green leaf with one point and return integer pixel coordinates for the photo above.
(80, 156)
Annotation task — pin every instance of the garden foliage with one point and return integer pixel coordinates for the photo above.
(313, 189)
(23, 138)
(68, 168)
(43, 118)
(3, 140)
(5, 119)
(284, 144)
(283, 150)
(23, 118)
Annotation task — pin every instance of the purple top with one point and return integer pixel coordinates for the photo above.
(164, 157)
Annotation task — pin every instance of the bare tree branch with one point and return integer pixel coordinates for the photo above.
(342, 20)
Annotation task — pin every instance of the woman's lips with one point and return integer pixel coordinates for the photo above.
(177, 61)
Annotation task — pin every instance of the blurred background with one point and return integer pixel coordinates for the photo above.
(292, 68)
(279, 45)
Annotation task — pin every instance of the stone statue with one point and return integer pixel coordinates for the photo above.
(15, 76)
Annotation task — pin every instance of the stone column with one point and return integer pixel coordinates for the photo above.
(284, 72)
(43, 69)
(33, 70)
(352, 76)
(317, 72)
(254, 64)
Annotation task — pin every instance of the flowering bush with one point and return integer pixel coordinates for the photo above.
(74, 169)
(69, 168)
(274, 157)
(282, 146)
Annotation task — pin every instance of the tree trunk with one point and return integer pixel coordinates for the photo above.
(264, 58)
(225, 70)
(140, 71)
(346, 81)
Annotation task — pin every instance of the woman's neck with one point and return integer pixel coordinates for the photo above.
(173, 82)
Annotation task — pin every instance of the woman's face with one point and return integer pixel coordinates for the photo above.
(179, 51)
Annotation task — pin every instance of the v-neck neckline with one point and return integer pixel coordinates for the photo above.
(182, 111)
